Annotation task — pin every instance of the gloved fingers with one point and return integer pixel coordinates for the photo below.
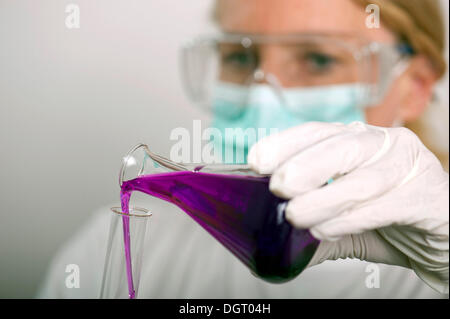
(356, 221)
(319, 205)
(330, 158)
(270, 152)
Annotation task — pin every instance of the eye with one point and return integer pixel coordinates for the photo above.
(238, 59)
(319, 62)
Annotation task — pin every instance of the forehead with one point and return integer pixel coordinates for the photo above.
(296, 16)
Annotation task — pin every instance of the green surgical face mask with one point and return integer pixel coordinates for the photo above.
(260, 110)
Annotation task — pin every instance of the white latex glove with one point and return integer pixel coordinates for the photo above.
(388, 203)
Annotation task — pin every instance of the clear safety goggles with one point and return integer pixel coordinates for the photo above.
(290, 61)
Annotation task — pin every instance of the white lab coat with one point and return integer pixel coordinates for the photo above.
(181, 260)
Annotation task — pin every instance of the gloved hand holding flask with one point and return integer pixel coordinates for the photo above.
(388, 202)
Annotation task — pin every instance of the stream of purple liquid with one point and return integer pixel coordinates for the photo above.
(125, 199)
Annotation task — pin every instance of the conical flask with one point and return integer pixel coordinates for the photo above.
(232, 203)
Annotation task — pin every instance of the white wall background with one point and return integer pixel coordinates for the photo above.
(72, 102)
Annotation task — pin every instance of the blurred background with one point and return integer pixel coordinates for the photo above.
(72, 102)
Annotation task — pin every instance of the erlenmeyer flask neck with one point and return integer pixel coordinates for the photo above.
(130, 159)
(145, 161)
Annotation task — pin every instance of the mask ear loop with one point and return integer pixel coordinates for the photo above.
(399, 69)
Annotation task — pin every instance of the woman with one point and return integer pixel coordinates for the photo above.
(388, 202)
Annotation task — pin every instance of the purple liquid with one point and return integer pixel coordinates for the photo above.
(239, 211)
(125, 199)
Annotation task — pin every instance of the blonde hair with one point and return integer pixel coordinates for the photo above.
(420, 24)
